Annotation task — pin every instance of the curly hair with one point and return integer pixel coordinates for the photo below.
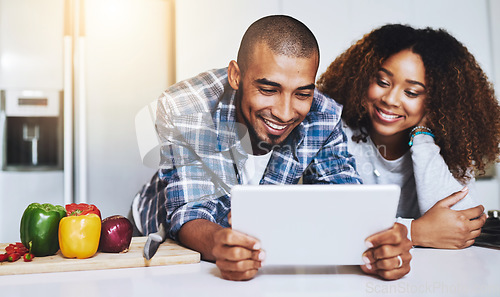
(461, 107)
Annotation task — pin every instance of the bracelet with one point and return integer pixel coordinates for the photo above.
(420, 127)
(417, 133)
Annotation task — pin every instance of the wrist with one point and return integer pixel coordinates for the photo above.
(415, 233)
(419, 130)
(199, 235)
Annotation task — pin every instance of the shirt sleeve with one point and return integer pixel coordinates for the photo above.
(333, 164)
(407, 223)
(193, 189)
(190, 171)
(433, 178)
(210, 204)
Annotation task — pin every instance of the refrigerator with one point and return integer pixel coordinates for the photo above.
(73, 75)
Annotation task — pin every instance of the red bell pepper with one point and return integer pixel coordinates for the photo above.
(81, 209)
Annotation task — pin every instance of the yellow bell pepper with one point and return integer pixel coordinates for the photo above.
(79, 235)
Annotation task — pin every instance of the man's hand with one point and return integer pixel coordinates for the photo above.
(388, 255)
(237, 255)
(442, 227)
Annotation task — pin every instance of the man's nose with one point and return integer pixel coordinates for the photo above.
(283, 109)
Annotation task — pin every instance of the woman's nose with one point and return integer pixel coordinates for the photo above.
(391, 97)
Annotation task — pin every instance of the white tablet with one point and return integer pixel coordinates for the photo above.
(313, 224)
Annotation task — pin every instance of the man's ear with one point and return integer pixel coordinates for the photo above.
(234, 74)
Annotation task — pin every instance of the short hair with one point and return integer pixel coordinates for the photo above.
(283, 35)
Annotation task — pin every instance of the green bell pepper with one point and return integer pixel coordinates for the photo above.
(40, 227)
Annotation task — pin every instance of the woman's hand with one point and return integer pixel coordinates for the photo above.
(388, 255)
(442, 227)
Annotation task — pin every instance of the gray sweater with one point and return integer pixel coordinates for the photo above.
(421, 173)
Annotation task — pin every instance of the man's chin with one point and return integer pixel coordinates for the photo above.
(265, 142)
(268, 145)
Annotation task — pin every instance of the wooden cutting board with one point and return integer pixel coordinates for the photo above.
(168, 253)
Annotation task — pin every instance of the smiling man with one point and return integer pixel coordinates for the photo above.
(274, 95)
(258, 121)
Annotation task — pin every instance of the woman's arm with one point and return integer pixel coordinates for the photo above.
(433, 178)
(446, 223)
(442, 227)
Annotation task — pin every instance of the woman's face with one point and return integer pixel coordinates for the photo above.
(396, 96)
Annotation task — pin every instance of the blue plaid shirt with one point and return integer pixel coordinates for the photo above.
(202, 153)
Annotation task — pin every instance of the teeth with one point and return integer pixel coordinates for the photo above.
(274, 126)
(388, 116)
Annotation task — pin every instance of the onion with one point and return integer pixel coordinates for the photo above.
(116, 234)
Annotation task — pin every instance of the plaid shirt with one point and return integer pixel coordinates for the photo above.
(202, 153)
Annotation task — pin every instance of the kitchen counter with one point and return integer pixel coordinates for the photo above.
(474, 271)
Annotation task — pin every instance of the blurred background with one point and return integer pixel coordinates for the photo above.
(74, 73)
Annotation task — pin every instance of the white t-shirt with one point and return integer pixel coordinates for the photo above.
(375, 169)
(254, 168)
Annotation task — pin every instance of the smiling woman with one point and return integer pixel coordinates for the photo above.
(419, 112)
(396, 102)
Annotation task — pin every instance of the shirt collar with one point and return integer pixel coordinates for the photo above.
(225, 121)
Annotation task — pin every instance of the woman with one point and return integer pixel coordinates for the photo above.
(419, 112)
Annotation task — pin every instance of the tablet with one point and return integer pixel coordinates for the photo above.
(313, 224)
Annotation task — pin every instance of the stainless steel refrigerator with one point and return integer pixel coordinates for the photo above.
(73, 75)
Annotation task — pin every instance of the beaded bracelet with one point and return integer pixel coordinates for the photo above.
(417, 133)
(420, 127)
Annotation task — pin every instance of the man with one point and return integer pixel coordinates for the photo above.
(258, 121)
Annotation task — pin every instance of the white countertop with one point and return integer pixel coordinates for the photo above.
(474, 271)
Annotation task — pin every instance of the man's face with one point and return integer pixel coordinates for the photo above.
(275, 93)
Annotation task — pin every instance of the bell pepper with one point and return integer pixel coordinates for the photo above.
(79, 235)
(74, 209)
(39, 228)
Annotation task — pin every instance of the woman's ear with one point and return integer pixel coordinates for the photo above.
(234, 75)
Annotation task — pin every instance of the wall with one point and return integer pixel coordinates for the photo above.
(127, 50)
(492, 186)
(219, 25)
(208, 33)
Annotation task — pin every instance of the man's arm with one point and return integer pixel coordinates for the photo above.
(237, 255)
(199, 235)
